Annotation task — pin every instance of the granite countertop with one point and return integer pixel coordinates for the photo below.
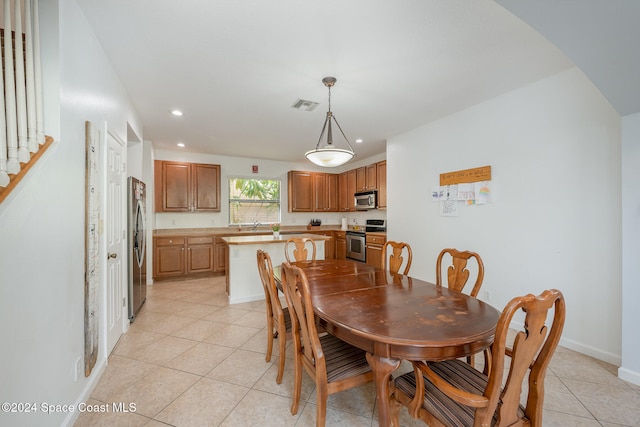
(247, 231)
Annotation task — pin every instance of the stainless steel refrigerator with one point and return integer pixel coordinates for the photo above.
(137, 246)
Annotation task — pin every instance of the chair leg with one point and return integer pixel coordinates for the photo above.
(297, 383)
(282, 343)
(269, 339)
(321, 405)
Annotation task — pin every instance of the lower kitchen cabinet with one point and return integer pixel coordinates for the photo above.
(375, 243)
(221, 250)
(182, 256)
(341, 245)
(169, 257)
(200, 254)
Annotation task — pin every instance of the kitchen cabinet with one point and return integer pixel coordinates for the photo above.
(329, 252)
(169, 257)
(312, 191)
(220, 255)
(300, 191)
(182, 256)
(382, 184)
(375, 243)
(367, 177)
(325, 192)
(200, 254)
(341, 245)
(186, 187)
(346, 189)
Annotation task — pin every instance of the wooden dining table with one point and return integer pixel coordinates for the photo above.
(395, 317)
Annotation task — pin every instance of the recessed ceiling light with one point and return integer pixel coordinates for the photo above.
(180, 144)
(176, 112)
(359, 140)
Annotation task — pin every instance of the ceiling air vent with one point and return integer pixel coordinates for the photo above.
(304, 105)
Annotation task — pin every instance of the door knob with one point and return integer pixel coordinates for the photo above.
(112, 256)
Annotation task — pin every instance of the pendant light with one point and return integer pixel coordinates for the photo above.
(328, 155)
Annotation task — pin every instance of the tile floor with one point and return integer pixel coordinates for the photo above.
(191, 359)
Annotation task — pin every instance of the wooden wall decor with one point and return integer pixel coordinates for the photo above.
(466, 176)
(92, 248)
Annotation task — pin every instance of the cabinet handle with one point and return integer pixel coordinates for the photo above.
(114, 255)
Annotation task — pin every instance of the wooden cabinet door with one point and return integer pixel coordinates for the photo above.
(199, 254)
(361, 178)
(351, 189)
(341, 245)
(205, 190)
(372, 177)
(320, 200)
(382, 184)
(374, 256)
(200, 259)
(325, 192)
(220, 251)
(173, 184)
(300, 191)
(169, 257)
(343, 193)
(332, 192)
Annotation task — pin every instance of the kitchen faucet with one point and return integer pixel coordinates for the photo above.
(255, 225)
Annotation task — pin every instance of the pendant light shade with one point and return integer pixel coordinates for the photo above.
(328, 155)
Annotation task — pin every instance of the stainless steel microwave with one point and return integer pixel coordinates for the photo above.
(366, 200)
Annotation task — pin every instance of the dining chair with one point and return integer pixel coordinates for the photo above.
(452, 392)
(333, 364)
(278, 317)
(458, 276)
(457, 273)
(393, 259)
(299, 247)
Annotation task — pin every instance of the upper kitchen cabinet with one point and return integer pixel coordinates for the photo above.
(367, 177)
(186, 187)
(346, 189)
(300, 191)
(325, 192)
(312, 191)
(382, 184)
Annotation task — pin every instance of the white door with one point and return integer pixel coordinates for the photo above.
(116, 249)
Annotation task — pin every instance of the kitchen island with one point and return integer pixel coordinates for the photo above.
(243, 280)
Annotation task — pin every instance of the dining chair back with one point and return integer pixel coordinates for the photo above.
(452, 392)
(333, 364)
(395, 255)
(297, 249)
(278, 317)
(458, 273)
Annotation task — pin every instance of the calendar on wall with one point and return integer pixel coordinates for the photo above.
(92, 248)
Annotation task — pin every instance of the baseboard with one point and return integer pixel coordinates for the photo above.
(614, 359)
(629, 376)
(246, 299)
(91, 384)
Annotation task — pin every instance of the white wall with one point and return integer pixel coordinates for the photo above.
(42, 233)
(554, 149)
(630, 369)
(241, 167)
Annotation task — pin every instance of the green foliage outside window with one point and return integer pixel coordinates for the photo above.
(254, 201)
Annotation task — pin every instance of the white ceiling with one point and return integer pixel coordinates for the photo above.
(236, 67)
(600, 36)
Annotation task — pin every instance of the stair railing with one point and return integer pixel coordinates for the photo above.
(21, 108)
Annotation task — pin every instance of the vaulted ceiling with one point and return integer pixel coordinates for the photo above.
(235, 68)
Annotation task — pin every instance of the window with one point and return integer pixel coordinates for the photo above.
(254, 201)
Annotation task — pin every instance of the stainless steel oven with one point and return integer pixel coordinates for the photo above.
(356, 245)
(356, 240)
